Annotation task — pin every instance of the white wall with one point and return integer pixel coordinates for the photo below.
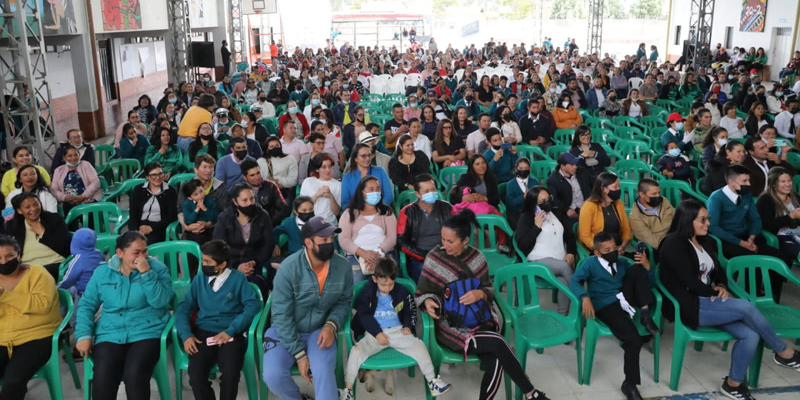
(138, 59)
(780, 14)
(59, 73)
(154, 16)
(209, 16)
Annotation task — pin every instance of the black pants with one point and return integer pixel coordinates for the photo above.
(730, 250)
(230, 358)
(636, 289)
(18, 369)
(496, 355)
(53, 270)
(132, 363)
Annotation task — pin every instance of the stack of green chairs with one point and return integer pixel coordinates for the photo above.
(103, 154)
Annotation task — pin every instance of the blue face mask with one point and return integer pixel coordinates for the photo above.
(292, 110)
(72, 165)
(779, 94)
(327, 83)
(678, 126)
(173, 100)
(674, 152)
(315, 102)
(78, 146)
(345, 86)
(430, 198)
(373, 198)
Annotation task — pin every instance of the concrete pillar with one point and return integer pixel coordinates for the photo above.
(86, 70)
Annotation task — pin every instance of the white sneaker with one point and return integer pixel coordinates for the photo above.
(345, 394)
(437, 387)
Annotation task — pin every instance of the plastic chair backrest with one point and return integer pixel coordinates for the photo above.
(564, 136)
(176, 181)
(634, 149)
(403, 199)
(488, 223)
(666, 104)
(743, 272)
(555, 150)
(124, 190)
(107, 245)
(175, 255)
(672, 190)
(519, 281)
(796, 183)
(629, 193)
(449, 176)
(103, 154)
(541, 170)
(531, 152)
(124, 169)
(602, 135)
(627, 132)
(101, 215)
(634, 169)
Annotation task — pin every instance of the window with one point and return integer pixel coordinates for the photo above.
(728, 37)
(677, 35)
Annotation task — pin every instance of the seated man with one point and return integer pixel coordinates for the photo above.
(736, 222)
(787, 122)
(312, 296)
(759, 160)
(417, 233)
(228, 167)
(267, 194)
(570, 186)
(616, 288)
(652, 214)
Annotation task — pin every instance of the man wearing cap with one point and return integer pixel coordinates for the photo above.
(311, 300)
(676, 134)
(222, 129)
(569, 186)
(439, 106)
(212, 90)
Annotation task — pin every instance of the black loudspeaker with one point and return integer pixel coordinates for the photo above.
(203, 54)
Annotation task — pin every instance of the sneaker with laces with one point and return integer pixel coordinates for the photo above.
(793, 362)
(538, 395)
(437, 387)
(740, 392)
(346, 394)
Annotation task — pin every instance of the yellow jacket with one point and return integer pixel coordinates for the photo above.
(31, 310)
(191, 121)
(10, 178)
(591, 222)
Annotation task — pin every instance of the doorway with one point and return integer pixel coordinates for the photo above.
(781, 51)
(106, 57)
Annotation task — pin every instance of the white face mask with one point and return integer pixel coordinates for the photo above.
(565, 104)
(722, 142)
(243, 124)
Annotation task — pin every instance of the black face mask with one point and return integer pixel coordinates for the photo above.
(240, 154)
(9, 267)
(612, 98)
(523, 173)
(263, 98)
(793, 110)
(305, 216)
(208, 270)
(655, 201)
(614, 195)
(743, 190)
(324, 252)
(713, 101)
(206, 137)
(508, 117)
(496, 147)
(468, 98)
(274, 152)
(610, 257)
(248, 211)
(546, 206)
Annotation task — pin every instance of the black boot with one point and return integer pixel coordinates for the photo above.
(630, 391)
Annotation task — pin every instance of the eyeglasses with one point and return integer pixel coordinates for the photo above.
(156, 175)
(703, 220)
(359, 115)
(447, 127)
(586, 134)
(367, 155)
(319, 142)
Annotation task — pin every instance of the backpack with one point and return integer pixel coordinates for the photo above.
(460, 315)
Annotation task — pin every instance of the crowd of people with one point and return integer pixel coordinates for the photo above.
(315, 190)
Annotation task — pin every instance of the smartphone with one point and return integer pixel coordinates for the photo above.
(506, 146)
(641, 248)
(781, 142)
(210, 341)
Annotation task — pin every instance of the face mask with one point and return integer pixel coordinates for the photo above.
(722, 142)
(496, 147)
(612, 98)
(793, 110)
(730, 77)
(315, 102)
(743, 190)
(546, 206)
(305, 216)
(468, 97)
(325, 251)
(523, 173)
(430, 198)
(243, 124)
(206, 137)
(565, 104)
(678, 126)
(655, 201)
(69, 164)
(274, 152)
(324, 121)
(610, 257)
(327, 83)
(292, 110)
(674, 152)
(299, 89)
(9, 267)
(346, 86)
(248, 211)
(173, 100)
(614, 195)
(412, 105)
(240, 154)
(779, 94)
(373, 198)
(169, 114)
(208, 270)
(206, 79)
(553, 90)
(78, 146)
(714, 101)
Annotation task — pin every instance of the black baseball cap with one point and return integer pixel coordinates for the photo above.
(318, 226)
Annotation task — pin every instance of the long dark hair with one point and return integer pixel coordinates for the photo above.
(723, 151)
(155, 138)
(266, 147)
(461, 223)
(580, 130)
(532, 198)
(683, 222)
(354, 155)
(711, 137)
(455, 119)
(603, 180)
(40, 186)
(488, 177)
(17, 222)
(358, 201)
(198, 144)
(127, 238)
(438, 140)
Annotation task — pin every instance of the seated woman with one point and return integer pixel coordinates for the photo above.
(731, 153)
(544, 236)
(205, 144)
(703, 127)
(20, 156)
(516, 190)
(609, 107)
(125, 340)
(448, 148)
(152, 205)
(733, 124)
(29, 314)
(634, 106)
(779, 208)
(776, 100)
(566, 115)
(695, 278)
(294, 114)
(226, 305)
(44, 235)
(591, 155)
(446, 263)
(505, 122)
(76, 182)
(253, 129)
(369, 229)
(74, 139)
(247, 229)
(481, 180)
(756, 118)
(29, 180)
(713, 143)
(324, 191)
(603, 211)
(407, 163)
(712, 103)
(316, 143)
(361, 166)
(165, 151)
(133, 145)
(279, 168)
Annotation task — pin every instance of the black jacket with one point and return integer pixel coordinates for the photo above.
(364, 319)
(271, 200)
(531, 131)
(166, 199)
(715, 175)
(680, 272)
(758, 183)
(282, 94)
(258, 248)
(528, 232)
(466, 180)
(582, 97)
(769, 222)
(408, 225)
(56, 235)
(561, 191)
(58, 159)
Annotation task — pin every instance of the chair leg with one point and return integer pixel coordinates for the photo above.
(554, 298)
(725, 346)
(178, 383)
(698, 346)
(755, 365)
(162, 378)
(579, 359)
(588, 363)
(678, 353)
(412, 372)
(53, 379)
(250, 379)
(71, 363)
(656, 356)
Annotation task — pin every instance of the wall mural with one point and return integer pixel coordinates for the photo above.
(59, 17)
(754, 16)
(120, 15)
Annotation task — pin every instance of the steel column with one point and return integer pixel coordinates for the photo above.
(595, 40)
(237, 35)
(180, 27)
(701, 20)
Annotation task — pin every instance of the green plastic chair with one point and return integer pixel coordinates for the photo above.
(652, 121)
(174, 231)
(372, 97)
(403, 199)
(673, 190)
(272, 125)
(160, 373)
(243, 108)
(389, 358)
(634, 170)
(602, 122)
(181, 360)
(123, 189)
(98, 216)
(685, 102)
(449, 176)
(380, 119)
(535, 328)
(531, 152)
(103, 154)
(629, 194)
(699, 184)
(555, 150)
(487, 226)
(280, 109)
(387, 105)
(785, 320)
(103, 186)
(666, 104)
(179, 179)
(684, 111)
(175, 255)
(264, 320)
(121, 170)
(684, 335)
(603, 136)
(635, 150)
(583, 252)
(596, 329)
(612, 154)
(631, 133)
(396, 97)
(564, 136)
(540, 283)
(541, 170)
(629, 122)
(501, 192)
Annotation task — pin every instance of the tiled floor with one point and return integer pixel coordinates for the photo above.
(555, 372)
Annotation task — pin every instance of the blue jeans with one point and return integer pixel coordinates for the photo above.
(358, 276)
(414, 267)
(741, 319)
(184, 142)
(278, 363)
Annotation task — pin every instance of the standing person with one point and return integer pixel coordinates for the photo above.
(695, 278)
(226, 58)
(152, 205)
(132, 293)
(452, 260)
(311, 301)
(192, 120)
(226, 305)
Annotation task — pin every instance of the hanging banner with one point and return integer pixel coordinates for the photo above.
(754, 16)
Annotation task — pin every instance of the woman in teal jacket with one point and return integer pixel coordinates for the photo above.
(134, 291)
(164, 150)
(133, 144)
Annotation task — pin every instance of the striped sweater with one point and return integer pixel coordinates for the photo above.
(439, 270)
